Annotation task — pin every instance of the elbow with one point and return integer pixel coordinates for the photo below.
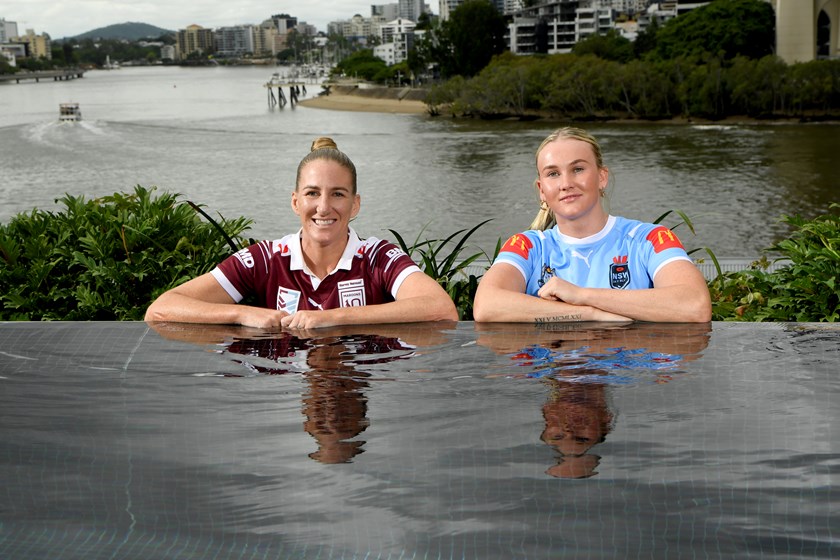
(154, 313)
(482, 311)
(699, 310)
(447, 311)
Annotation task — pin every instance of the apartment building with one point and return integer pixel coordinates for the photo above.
(397, 39)
(234, 41)
(37, 46)
(194, 39)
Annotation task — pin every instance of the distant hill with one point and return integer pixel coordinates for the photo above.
(131, 31)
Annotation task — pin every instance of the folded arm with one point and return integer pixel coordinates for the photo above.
(501, 298)
(203, 300)
(679, 295)
(420, 298)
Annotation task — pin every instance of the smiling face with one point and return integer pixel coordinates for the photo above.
(570, 182)
(325, 202)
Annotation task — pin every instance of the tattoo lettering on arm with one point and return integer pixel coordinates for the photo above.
(558, 319)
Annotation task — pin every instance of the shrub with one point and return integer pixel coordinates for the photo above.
(107, 258)
(806, 290)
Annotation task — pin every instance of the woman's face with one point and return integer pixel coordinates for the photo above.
(570, 180)
(325, 202)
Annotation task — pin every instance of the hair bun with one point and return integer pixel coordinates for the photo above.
(323, 142)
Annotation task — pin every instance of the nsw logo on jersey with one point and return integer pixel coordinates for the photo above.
(288, 300)
(619, 273)
(351, 293)
(518, 245)
(663, 238)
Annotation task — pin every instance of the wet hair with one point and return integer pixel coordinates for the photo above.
(545, 217)
(326, 148)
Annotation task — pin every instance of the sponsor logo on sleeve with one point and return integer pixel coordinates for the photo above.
(518, 245)
(288, 300)
(663, 238)
(351, 293)
(245, 258)
(619, 273)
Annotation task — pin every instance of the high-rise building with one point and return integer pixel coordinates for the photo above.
(237, 40)
(447, 7)
(38, 46)
(8, 29)
(194, 39)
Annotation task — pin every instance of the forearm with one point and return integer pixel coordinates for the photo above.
(671, 304)
(506, 306)
(179, 308)
(407, 310)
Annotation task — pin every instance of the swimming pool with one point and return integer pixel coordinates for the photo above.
(118, 440)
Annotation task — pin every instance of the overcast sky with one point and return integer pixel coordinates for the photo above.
(65, 18)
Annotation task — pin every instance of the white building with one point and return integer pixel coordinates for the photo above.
(237, 40)
(400, 34)
(8, 29)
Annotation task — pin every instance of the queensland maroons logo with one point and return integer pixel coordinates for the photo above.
(619, 273)
(351, 293)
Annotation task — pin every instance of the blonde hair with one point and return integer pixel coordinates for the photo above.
(326, 148)
(545, 217)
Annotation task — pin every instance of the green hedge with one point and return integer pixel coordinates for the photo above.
(104, 259)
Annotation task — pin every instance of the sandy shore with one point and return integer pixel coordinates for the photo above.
(340, 102)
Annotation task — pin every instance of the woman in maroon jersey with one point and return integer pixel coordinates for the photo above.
(322, 275)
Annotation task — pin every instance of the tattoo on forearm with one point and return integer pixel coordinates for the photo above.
(558, 318)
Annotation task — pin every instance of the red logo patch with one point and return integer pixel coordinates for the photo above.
(663, 238)
(519, 245)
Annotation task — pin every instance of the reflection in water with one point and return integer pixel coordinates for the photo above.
(335, 403)
(578, 363)
(577, 417)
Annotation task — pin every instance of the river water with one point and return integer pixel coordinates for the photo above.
(210, 135)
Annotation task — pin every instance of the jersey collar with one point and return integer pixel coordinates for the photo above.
(344, 263)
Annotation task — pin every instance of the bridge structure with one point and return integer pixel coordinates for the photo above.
(55, 75)
(806, 29)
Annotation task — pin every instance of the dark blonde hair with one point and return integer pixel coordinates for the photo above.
(326, 148)
(545, 217)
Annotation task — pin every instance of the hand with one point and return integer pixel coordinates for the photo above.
(558, 289)
(307, 320)
(261, 317)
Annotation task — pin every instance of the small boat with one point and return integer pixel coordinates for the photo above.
(69, 112)
(275, 80)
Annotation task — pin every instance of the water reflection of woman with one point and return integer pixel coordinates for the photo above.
(577, 417)
(335, 403)
(577, 363)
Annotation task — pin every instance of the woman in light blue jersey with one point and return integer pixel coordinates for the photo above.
(579, 263)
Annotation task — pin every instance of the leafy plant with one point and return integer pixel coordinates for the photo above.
(805, 290)
(106, 258)
(447, 270)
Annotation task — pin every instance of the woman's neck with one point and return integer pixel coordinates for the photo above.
(321, 259)
(581, 228)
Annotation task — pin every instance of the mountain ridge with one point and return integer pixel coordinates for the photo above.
(130, 31)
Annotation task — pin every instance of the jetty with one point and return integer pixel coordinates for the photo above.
(54, 75)
(296, 87)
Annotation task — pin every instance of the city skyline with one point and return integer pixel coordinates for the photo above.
(62, 18)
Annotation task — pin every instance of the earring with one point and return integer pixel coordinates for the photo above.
(544, 206)
(603, 193)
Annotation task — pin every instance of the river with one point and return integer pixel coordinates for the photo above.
(210, 135)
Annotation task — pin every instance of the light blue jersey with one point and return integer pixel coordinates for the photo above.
(626, 254)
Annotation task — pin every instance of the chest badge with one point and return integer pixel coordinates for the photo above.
(619, 273)
(351, 293)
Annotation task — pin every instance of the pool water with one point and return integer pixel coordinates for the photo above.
(128, 440)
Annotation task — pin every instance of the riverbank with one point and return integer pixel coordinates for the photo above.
(379, 99)
(370, 99)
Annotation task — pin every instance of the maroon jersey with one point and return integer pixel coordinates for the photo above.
(370, 271)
